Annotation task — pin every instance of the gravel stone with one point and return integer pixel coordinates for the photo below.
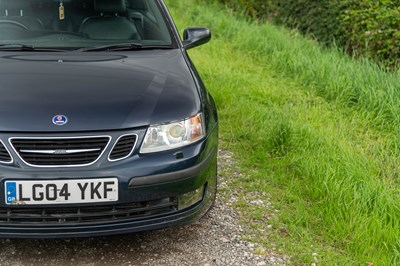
(217, 239)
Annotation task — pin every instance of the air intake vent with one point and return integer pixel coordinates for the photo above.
(123, 147)
(53, 152)
(87, 214)
(5, 156)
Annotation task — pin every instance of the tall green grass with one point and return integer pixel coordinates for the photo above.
(311, 128)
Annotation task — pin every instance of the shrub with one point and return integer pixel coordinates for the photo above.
(316, 18)
(372, 28)
(369, 28)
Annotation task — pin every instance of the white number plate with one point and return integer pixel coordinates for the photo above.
(61, 191)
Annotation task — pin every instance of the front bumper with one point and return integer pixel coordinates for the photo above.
(110, 228)
(142, 178)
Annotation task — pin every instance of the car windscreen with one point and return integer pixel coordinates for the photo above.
(71, 24)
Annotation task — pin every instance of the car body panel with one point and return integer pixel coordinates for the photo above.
(142, 88)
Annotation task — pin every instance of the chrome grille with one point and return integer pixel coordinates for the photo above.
(123, 147)
(53, 152)
(71, 215)
(5, 156)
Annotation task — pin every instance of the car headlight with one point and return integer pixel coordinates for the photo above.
(174, 135)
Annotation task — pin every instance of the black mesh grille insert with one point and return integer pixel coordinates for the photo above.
(123, 147)
(90, 214)
(5, 157)
(60, 152)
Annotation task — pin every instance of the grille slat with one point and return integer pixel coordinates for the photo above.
(123, 148)
(77, 155)
(71, 215)
(82, 214)
(66, 160)
(119, 154)
(5, 157)
(126, 150)
(59, 141)
(60, 146)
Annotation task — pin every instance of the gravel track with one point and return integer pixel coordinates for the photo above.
(214, 240)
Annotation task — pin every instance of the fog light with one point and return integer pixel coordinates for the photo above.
(190, 198)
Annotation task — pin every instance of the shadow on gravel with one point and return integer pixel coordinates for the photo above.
(129, 249)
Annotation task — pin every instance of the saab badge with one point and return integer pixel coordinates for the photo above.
(60, 120)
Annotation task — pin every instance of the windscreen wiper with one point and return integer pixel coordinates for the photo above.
(16, 46)
(123, 47)
(25, 47)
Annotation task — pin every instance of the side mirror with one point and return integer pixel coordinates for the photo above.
(196, 36)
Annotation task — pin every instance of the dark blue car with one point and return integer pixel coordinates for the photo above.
(105, 124)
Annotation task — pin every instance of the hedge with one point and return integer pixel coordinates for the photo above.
(372, 28)
(368, 28)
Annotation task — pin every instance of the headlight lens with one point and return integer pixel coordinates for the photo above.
(174, 135)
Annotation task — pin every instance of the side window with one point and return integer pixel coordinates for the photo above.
(149, 20)
(158, 19)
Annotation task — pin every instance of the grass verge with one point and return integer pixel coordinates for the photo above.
(313, 130)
